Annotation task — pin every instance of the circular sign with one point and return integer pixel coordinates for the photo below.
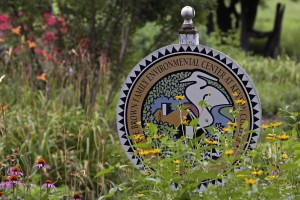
(199, 74)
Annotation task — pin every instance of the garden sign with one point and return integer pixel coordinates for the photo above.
(191, 73)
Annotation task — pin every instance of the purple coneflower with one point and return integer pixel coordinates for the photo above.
(15, 171)
(48, 184)
(4, 183)
(76, 196)
(41, 164)
(13, 181)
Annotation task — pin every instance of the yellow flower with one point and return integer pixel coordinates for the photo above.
(188, 110)
(154, 151)
(138, 138)
(16, 30)
(240, 101)
(276, 124)
(264, 126)
(230, 111)
(185, 122)
(232, 124)
(139, 123)
(250, 181)
(226, 130)
(179, 97)
(42, 77)
(210, 142)
(284, 156)
(283, 137)
(140, 195)
(270, 177)
(229, 152)
(156, 137)
(241, 175)
(176, 161)
(144, 152)
(257, 172)
(148, 125)
(235, 94)
(271, 136)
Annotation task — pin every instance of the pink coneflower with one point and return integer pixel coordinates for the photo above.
(13, 181)
(41, 164)
(76, 196)
(15, 171)
(48, 184)
(4, 27)
(4, 183)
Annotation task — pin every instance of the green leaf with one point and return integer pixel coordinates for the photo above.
(104, 171)
(245, 125)
(153, 129)
(194, 122)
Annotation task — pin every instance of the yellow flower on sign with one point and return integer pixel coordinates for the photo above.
(257, 172)
(232, 124)
(229, 152)
(144, 152)
(140, 195)
(264, 126)
(240, 101)
(138, 138)
(283, 137)
(276, 124)
(139, 123)
(185, 122)
(250, 181)
(230, 111)
(176, 161)
(179, 98)
(226, 130)
(235, 94)
(154, 151)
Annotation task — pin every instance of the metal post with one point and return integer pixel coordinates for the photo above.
(187, 33)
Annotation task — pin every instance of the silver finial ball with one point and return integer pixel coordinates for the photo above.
(188, 13)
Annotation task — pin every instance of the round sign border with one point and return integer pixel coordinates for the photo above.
(209, 53)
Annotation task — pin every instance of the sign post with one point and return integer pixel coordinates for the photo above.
(199, 74)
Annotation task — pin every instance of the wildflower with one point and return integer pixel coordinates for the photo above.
(16, 30)
(276, 124)
(154, 151)
(229, 152)
(283, 137)
(51, 21)
(257, 172)
(76, 196)
(139, 123)
(235, 94)
(264, 126)
(230, 111)
(284, 156)
(270, 177)
(232, 124)
(16, 171)
(48, 184)
(185, 122)
(140, 195)
(31, 44)
(271, 136)
(148, 125)
(4, 27)
(210, 142)
(42, 77)
(41, 164)
(179, 98)
(138, 138)
(49, 36)
(188, 110)
(4, 18)
(4, 183)
(176, 161)
(250, 181)
(240, 101)
(144, 152)
(226, 130)
(157, 137)
(241, 175)
(13, 181)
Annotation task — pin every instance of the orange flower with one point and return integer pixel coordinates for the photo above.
(31, 44)
(42, 77)
(4, 107)
(16, 30)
